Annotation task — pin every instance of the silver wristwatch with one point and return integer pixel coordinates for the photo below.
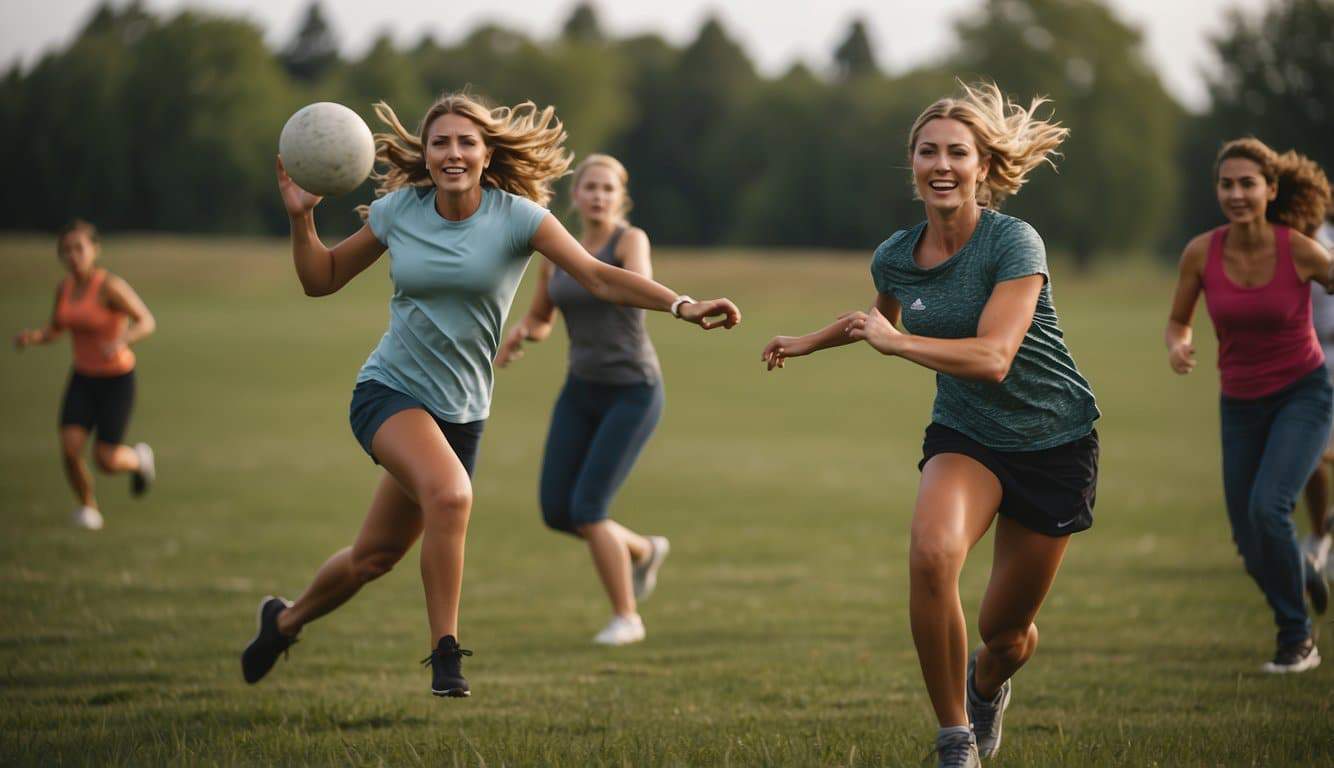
(676, 305)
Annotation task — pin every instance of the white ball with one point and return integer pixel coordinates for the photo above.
(327, 148)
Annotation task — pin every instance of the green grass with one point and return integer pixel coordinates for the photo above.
(779, 635)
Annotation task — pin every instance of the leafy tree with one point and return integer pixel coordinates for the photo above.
(1118, 179)
(854, 57)
(313, 51)
(583, 25)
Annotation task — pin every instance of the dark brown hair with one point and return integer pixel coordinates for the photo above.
(1303, 189)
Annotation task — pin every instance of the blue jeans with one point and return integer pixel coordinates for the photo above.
(1270, 447)
(597, 432)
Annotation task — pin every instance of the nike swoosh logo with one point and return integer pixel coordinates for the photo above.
(1071, 521)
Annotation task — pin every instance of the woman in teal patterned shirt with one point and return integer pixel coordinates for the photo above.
(1011, 438)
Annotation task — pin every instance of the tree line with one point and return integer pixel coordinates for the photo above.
(171, 123)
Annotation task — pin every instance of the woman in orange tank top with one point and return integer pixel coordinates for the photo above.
(105, 317)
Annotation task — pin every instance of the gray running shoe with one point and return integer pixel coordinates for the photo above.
(986, 716)
(645, 574)
(956, 750)
(1317, 589)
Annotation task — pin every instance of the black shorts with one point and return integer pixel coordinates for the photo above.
(373, 403)
(99, 404)
(1050, 491)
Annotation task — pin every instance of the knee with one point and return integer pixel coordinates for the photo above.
(934, 562)
(1269, 514)
(105, 456)
(447, 507)
(370, 566)
(556, 515)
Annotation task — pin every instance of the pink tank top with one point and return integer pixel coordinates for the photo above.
(1265, 337)
(95, 327)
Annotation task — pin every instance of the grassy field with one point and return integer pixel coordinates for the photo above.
(779, 634)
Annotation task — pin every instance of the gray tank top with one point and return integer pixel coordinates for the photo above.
(608, 342)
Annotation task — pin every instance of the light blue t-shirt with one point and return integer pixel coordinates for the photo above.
(454, 282)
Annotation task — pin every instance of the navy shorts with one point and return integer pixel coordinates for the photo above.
(99, 404)
(373, 403)
(1050, 491)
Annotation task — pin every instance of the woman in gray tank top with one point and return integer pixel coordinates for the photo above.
(611, 401)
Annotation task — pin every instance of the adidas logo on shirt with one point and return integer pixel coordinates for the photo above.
(917, 305)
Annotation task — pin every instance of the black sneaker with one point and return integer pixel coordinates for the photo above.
(446, 663)
(262, 653)
(147, 472)
(1297, 657)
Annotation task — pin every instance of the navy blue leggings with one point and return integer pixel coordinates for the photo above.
(597, 432)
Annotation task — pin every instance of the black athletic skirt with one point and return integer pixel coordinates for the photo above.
(99, 404)
(1049, 491)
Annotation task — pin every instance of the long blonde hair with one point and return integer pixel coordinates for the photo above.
(1012, 137)
(617, 170)
(1303, 197)
(528, 147)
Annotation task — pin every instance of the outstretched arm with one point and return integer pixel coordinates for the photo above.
(45, 335)
(1178, 336)
(621, 286)
(780, 348)
(323, 270)
(535, 326)
(1007, 316)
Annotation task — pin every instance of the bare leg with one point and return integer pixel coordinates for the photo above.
(72, 440)
(956, 502)
(1022, 573)
(112, 458)
(611, 557)
(1317, 497)
(638, 546)
(392, 526)
(411, 448)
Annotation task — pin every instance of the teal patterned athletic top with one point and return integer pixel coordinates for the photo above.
(1043, 401)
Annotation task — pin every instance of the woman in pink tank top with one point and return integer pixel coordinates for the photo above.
(1276, 402)
(104, 317)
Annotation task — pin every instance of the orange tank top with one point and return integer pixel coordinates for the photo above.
(94, 326)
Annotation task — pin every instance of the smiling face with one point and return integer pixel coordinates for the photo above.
(599, 195)
(1243, 191)
(947, 166)
(77, 252)
(456, 154)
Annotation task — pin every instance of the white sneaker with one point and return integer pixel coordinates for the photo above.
(89, 518)
(147, 472)
(1317, 548)
(621, 630)
(645, 574)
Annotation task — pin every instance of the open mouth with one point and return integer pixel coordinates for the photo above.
(454, 171)
(941, 185)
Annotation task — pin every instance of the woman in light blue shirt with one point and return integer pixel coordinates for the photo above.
(460, 211)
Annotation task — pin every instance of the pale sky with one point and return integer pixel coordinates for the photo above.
(774, 33)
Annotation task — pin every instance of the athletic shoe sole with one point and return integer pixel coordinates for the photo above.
(451, 693)
(1305, 665)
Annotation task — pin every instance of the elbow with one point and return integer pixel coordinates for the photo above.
(997, 367)
(315, 291)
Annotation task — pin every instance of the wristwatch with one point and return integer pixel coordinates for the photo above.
(676, 305)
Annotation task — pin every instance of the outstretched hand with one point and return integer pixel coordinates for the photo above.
(1182, 357)
(711, 314)
(780, 348)
(873, 328)
(296, 200)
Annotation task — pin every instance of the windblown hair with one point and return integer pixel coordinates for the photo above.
(529, 147)
(1011, 136)
(1303, 198)
(617, 170)
(79, 225)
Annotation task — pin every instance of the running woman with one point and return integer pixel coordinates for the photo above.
(105, 317)
(460, 212)
(1011, 437)
(1317, 543)
(611, 401)
(1276, 399)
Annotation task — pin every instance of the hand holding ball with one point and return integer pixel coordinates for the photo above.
(327, 149)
